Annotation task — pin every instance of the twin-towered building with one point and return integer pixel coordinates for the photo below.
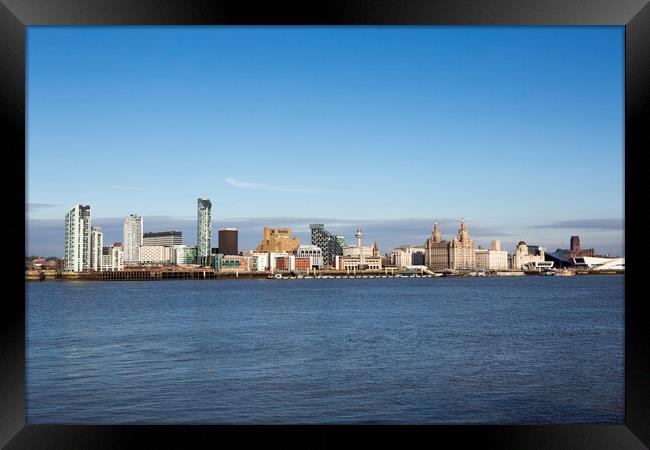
(459, 253)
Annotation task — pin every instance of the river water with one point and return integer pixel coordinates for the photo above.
(427, 351)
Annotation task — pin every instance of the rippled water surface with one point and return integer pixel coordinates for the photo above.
(445, 350)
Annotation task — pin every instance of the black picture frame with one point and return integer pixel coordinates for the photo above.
(16, 15)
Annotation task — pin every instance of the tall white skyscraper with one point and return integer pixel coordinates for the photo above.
(132, 237)
(204, 231)
(96, 244)
(77, 239)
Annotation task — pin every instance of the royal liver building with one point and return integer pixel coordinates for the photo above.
(459, 253)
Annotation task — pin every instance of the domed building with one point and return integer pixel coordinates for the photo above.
(523, 255)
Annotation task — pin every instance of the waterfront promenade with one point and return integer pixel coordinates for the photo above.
(211, 274)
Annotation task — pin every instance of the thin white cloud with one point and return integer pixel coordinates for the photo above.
(264, 187)
(128, 188)
(244, 184)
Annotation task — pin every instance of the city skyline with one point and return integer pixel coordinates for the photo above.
(386, 128)
(392, 231)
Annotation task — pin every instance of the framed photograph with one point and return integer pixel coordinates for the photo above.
(396, 220)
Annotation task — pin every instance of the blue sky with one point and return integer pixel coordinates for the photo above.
(520, 130)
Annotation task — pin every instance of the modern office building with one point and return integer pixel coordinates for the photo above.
(492, 259)
(204, 231)
(497, 260)
(277, 240)
(186, 254)
(281, 261)
(357, 263)
(313, 252)
(260, 261)
(303, 264)
(228, 244)
(234, 263)
(112, 258)
(164, 238)
(77, 239)
(407, 255)
(133, 232)
(330, 244)
(155, 254)
(96, 244)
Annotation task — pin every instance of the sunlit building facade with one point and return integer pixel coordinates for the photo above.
(77, 239)
(133, 233)
(204, 231)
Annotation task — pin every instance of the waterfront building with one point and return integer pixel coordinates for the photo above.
(96, 244)
(60, 264)
(281, 261)
(260, 262)
(112, 259)
(492, 259)
(233, 263)
(387, 260)
(359, 250)
(538, 265)
(204, 231)
(133, 232)
(357, 263)
(164, 238)
(523, 255)
(77, 239)
(330, 244)
(155, 254)
(186, 254)
(600, 263)
(277, 240)
(497, 260)
(459, 253)
(482, 258)
(106, 259)
(417, 257)
(313, 252)
(436, 250)
(117, 256)
(407, 255)
(228, 244)
(461, 249)
(302, 264)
